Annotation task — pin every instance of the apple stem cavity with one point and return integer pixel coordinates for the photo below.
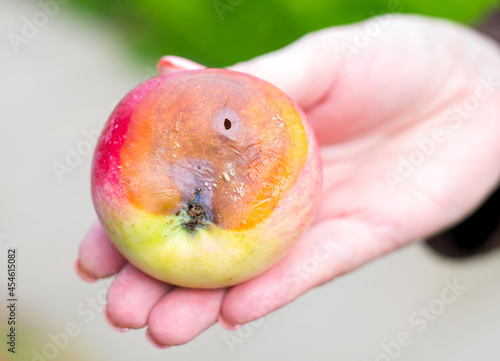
(195, 212)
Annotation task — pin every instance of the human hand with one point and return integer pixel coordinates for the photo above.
(423, 93)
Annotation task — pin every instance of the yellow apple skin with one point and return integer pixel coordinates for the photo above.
(226, 142)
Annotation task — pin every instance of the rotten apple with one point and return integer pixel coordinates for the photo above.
(205, 178)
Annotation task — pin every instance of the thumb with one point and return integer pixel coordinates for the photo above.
(305, 70)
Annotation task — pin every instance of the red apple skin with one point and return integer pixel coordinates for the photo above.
(239, 143)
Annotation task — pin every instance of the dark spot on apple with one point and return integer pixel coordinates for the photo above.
(177, 213)
(195, 212)
(227, 124)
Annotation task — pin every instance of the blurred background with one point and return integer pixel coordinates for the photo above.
(64, 66)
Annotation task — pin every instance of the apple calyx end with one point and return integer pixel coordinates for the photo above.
(195, 212)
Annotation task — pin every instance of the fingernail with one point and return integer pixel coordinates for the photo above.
(110, 324)
(171, 64)
(83, 275)
(153, 342)
(227, 326)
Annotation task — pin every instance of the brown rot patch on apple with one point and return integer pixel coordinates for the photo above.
(195, 212)
(236, 137)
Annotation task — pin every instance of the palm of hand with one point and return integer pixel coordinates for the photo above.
(408, 128)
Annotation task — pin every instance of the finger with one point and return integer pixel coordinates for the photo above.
(131, 298)
(325, 251)
(171, 64)
(98, 257)
(182, 314)
(305, 70)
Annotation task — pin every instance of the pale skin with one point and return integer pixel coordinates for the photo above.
(419, 81)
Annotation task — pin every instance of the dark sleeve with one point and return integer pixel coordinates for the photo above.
(480, 232)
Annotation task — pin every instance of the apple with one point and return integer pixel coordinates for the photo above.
(205, 178)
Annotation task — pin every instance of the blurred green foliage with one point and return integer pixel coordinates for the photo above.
(221, 32)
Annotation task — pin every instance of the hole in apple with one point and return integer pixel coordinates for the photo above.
(227, 124)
